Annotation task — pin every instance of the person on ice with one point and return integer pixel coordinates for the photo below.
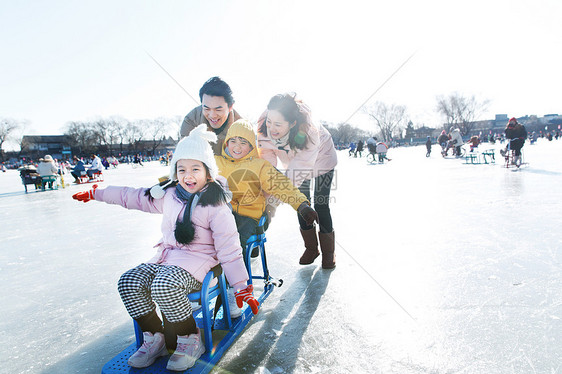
(250, 178)
(359, 148)
(456, 142)
(47, 168)
(287, 132)
(428, 146)
(443, 141)
(473, 141)
(515, 134)
(352, 150)
(198, 232)
(216, 111)
(78, 169)
(96, 166)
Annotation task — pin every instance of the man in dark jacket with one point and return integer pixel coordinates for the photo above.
(515, 133)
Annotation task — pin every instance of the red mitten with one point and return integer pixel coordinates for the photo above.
(86, 195)
(246, 295)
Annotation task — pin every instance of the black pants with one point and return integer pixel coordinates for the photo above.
(321, 201)
(516, 145)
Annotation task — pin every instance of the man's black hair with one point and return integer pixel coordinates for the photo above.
(217, 87)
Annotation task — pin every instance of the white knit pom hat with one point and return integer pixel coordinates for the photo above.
(196, 147)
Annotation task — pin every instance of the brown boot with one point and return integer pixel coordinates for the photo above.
(327, 246)
(311, 245)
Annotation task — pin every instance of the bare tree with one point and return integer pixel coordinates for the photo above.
(99, 128)
(157, 129)
(344, 133)
(18, 136)
(460, 111)
(114, 131)
(84, 136)
(177, 122)
(7, 127)
(134, 132)
(389, 119)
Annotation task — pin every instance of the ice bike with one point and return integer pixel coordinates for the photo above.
(510, 158)
(377, 154)
(458, 151)
(213, 318)
(96, 176)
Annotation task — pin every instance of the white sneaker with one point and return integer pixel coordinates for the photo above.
(189, 349)
(153, 347)
(235, 312)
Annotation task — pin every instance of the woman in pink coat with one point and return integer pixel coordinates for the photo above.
(198, 233)
(306, 151)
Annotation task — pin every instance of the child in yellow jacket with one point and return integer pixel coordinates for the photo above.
(253, 181)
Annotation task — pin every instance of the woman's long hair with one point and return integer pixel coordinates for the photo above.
(292, 111)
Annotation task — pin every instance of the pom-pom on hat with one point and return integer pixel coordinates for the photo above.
(196, 147)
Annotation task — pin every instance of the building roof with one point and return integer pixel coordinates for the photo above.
(45, 138)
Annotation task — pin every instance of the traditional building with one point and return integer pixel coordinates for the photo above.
(35, 146)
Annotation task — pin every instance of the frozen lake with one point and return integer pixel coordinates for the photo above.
(442, 267)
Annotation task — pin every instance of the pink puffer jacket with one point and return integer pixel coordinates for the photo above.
(216, 237)
(318, 157)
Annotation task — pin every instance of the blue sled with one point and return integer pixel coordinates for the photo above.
(225, 329)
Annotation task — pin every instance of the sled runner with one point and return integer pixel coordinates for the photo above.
(96, 177)
(213, 316)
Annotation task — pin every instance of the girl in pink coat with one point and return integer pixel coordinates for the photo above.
(198, 233)
(306, 151)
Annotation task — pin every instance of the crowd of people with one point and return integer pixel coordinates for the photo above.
(225, 174)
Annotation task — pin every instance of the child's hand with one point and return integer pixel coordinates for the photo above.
(246, 295)
(86, 195)
(307, 213)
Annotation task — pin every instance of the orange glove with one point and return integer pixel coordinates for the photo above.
(246, 295)
(86, 195)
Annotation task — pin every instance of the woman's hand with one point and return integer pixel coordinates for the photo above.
(307, 213)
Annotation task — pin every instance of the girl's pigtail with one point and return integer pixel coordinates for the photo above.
(184, 232)
(214, 195)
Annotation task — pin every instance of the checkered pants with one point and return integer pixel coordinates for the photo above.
(168, 286)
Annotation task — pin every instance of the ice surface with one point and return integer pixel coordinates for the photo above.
(442, 267)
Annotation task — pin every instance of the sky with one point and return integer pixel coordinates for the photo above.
(74, 61)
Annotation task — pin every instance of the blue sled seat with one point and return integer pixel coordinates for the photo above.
(210, 316)
(204, 316)
(214, 285)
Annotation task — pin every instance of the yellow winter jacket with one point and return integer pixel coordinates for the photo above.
(251, 178)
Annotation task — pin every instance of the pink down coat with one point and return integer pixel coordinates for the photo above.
(318, 157)
(216, 237)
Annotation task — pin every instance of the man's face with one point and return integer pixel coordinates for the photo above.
(215, 110)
